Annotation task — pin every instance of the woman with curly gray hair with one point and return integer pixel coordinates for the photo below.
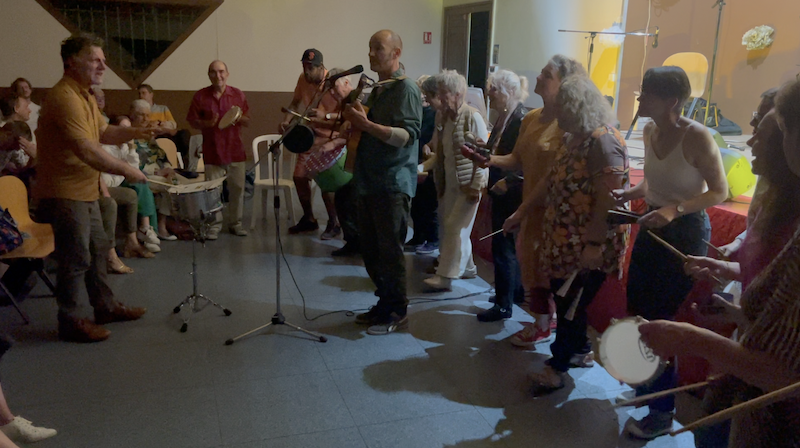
(458, 180)
(579, 248)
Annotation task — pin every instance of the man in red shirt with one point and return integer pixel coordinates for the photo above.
(223, 152)
(309, 85)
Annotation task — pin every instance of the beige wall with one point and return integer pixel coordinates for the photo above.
(689, 25)
(527, 32)
(260, 40)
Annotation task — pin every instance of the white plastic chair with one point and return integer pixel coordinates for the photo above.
(265, 180)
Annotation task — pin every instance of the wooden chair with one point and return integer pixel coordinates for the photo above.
(172, 151)
(265, 180)
(38, 241)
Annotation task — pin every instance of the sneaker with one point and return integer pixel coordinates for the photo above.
(212, 234)
(494, 314)
(411, 245)
(437, 283)
(331, 232)
(394, 323)
(371, 317)
(624, 397)
(530, 336)
(347, 250)
(154, 248)
(579, 360)
(23, 431)
(427, 248)
(147, 235)
(654, 425)
(304, 225)
(238, 231)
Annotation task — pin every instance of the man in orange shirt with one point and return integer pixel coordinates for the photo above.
(310, 85)
(71, 129)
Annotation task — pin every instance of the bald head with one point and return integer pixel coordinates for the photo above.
(218, 75)
(385, 48)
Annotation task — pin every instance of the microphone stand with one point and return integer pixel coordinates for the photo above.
(593, 35)
(278, 318)
(721, 4)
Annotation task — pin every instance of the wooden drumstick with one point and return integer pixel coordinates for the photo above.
(719, 251)
(490, 235)
(663, 393)
(750, 405)
(676, 251)
(160, 183)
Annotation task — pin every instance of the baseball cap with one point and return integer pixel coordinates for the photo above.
(312, 56)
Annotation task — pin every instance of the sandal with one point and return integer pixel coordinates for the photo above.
(136, 252)
(120, 268)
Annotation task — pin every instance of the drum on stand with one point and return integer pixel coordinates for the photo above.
(625, 356)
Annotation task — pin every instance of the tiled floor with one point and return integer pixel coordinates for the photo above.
(448, 381)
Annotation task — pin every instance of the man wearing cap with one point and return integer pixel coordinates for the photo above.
(223, 152)
(309, 85)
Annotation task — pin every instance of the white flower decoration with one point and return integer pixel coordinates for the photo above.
(758, 38)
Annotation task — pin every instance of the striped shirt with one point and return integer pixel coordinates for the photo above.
(772, 304)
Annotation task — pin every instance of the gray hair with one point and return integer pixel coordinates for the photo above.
(453, 82)
(581, 106)
(510, 84)
(429, 85)
(335, 71)
(566, 67)
(140, 106)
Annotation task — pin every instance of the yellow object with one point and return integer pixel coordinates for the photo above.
(170, 149)
(738, 172)
(696, 67)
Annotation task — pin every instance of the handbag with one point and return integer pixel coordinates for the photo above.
(10, 236)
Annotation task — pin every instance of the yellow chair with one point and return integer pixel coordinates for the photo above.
(172, 151)
(38, 241)
(696, 67)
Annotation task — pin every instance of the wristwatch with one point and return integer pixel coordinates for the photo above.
(680, 208)
(328, 116)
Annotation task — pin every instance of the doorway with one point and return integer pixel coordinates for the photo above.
(467, 38)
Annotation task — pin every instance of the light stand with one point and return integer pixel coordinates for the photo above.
(721, 4)
(277, 318)
(194, 299)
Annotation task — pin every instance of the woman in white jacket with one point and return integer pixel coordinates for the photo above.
(458, 180)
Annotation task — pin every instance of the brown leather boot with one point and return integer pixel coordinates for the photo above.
(120, 313)
(80, 330)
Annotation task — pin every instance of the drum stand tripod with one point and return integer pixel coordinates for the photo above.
(277, 318)
(196, 302)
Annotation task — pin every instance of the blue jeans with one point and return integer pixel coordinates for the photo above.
(658, 286)
(507, 276)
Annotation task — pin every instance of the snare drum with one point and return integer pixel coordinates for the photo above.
(625, 356)
(196, 202)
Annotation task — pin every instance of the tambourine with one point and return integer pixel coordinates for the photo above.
(231, 117)
(625, 356)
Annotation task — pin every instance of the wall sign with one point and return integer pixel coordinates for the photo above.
(426, 37)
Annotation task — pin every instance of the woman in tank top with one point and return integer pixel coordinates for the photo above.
(683, 175)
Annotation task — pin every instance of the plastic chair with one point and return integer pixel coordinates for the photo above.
(39, 241)
(265, 180)
(172, 151)
(696, 67)
(195, 153)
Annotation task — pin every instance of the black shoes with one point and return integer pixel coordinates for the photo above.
(494, 314)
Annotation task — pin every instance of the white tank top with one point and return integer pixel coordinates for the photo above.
(672, 180)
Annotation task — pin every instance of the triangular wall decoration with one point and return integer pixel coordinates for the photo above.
(138, 35)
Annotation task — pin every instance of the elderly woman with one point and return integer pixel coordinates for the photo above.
(579, 248)
(18, 156)
(458, 180)
(154, 163)
(540, 138)
(767, 355)
(683, 175)
(506, 92)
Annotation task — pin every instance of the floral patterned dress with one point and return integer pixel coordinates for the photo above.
(570, 199)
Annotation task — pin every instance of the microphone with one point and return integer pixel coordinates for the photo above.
(352, 71)
(655, 41)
